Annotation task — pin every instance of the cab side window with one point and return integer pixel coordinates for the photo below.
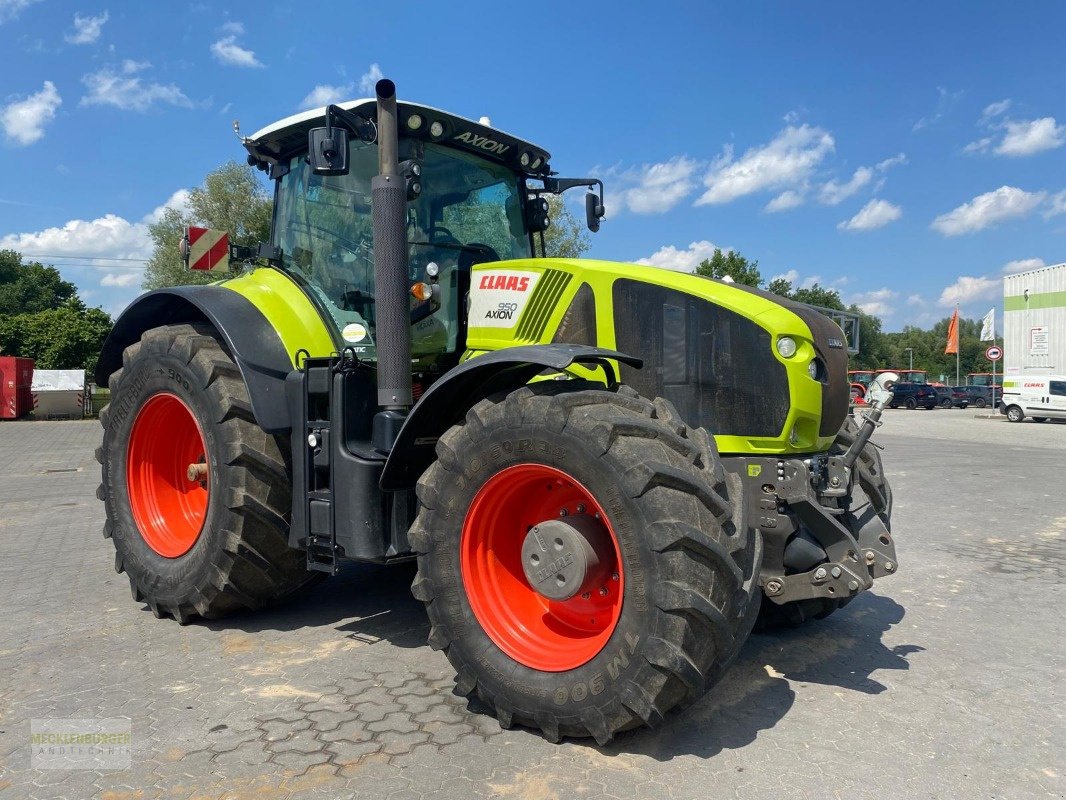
(1058, 387)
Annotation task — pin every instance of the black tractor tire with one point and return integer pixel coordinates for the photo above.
(689, 562)
(1015, 414)
(874, 495)
(240, 558)
(911, 404)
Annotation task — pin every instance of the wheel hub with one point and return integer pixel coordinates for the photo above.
(564, 558)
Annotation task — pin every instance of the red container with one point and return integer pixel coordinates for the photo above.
(16, 377)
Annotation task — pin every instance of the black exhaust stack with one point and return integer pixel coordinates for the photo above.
(391, 287)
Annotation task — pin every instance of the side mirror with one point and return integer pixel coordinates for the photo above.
(593, 211)
(327, 150)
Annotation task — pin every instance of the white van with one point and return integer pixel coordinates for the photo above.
(1041, 397)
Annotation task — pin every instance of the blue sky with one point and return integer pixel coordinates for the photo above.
(907, 155)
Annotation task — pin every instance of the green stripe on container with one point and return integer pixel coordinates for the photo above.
(545, 298)
(1036, 300)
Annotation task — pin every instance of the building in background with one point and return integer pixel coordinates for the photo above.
(1034, 322)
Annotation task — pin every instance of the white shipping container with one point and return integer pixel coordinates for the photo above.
(1034, 322)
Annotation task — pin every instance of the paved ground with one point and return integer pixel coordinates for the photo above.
(944, 682)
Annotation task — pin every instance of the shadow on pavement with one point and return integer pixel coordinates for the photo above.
(372, 603)
(368, 602)
(757, 692)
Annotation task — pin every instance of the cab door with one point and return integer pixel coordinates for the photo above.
(1056, 398)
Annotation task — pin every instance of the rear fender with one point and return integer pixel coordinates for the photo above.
(247, 333)
(447, 401)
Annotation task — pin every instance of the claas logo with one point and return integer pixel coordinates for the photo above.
(512, 282)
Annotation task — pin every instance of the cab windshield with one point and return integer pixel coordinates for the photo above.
(469, 212)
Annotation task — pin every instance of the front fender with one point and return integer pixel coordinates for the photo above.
(447, 401)
(248, 335)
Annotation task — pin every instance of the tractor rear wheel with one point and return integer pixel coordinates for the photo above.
(873, 495)
(196, 494)
(584, 559)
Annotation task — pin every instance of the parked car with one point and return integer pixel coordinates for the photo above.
(956, 397)
(979, 396)
(1039, 397)
(912, 395)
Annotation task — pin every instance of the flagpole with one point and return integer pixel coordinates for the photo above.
(956, 345)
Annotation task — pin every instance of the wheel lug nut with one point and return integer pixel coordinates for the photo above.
(603, 591)
(586, 596)
(580, 508)
(563, 512)
(614, 576)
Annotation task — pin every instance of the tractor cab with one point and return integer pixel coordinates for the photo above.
(473, 197)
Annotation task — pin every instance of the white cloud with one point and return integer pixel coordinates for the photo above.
(227, 51)
(834, 193)
(875, 214)
(878, 302)
(486, 121)
(9, 9)
(787, 200)
(1056, 205)
(129, 66)
(789, 159)
(1006, 202)
(233, 27)
(325, 93)
(978, 146)
(107, 237)
(1027, 137)
(126, 91)
(896, 160)
(1022, 265)
(652, 188)
(178, 201)
(792, 276)
(945, 100)
(370, 79)
(122, 279)
(994, 110)
(670, 257)
(24, 120)
(969, 289)
(86, 29)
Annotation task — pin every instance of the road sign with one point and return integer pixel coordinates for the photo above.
(994, 353)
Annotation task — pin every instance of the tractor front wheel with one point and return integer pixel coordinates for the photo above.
(196, 494)
(584, 559)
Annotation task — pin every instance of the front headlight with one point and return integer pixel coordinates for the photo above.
(786, 346)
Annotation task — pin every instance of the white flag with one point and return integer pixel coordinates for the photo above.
(988, 326)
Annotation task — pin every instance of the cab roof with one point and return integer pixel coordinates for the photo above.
(288, 137)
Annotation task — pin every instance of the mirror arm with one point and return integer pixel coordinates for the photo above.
(361, 126)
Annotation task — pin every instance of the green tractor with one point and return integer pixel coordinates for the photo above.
(603, 470)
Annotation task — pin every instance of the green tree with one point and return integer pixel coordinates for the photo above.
(567, 236)
(733, 264)
(232, 199)
(31, 287)
(69, 337)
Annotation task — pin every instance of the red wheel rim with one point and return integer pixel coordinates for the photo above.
(543, 634)
(168, 508)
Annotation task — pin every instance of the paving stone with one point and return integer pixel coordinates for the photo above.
(940, 683)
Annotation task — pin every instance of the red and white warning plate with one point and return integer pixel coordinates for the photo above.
(205, 250)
